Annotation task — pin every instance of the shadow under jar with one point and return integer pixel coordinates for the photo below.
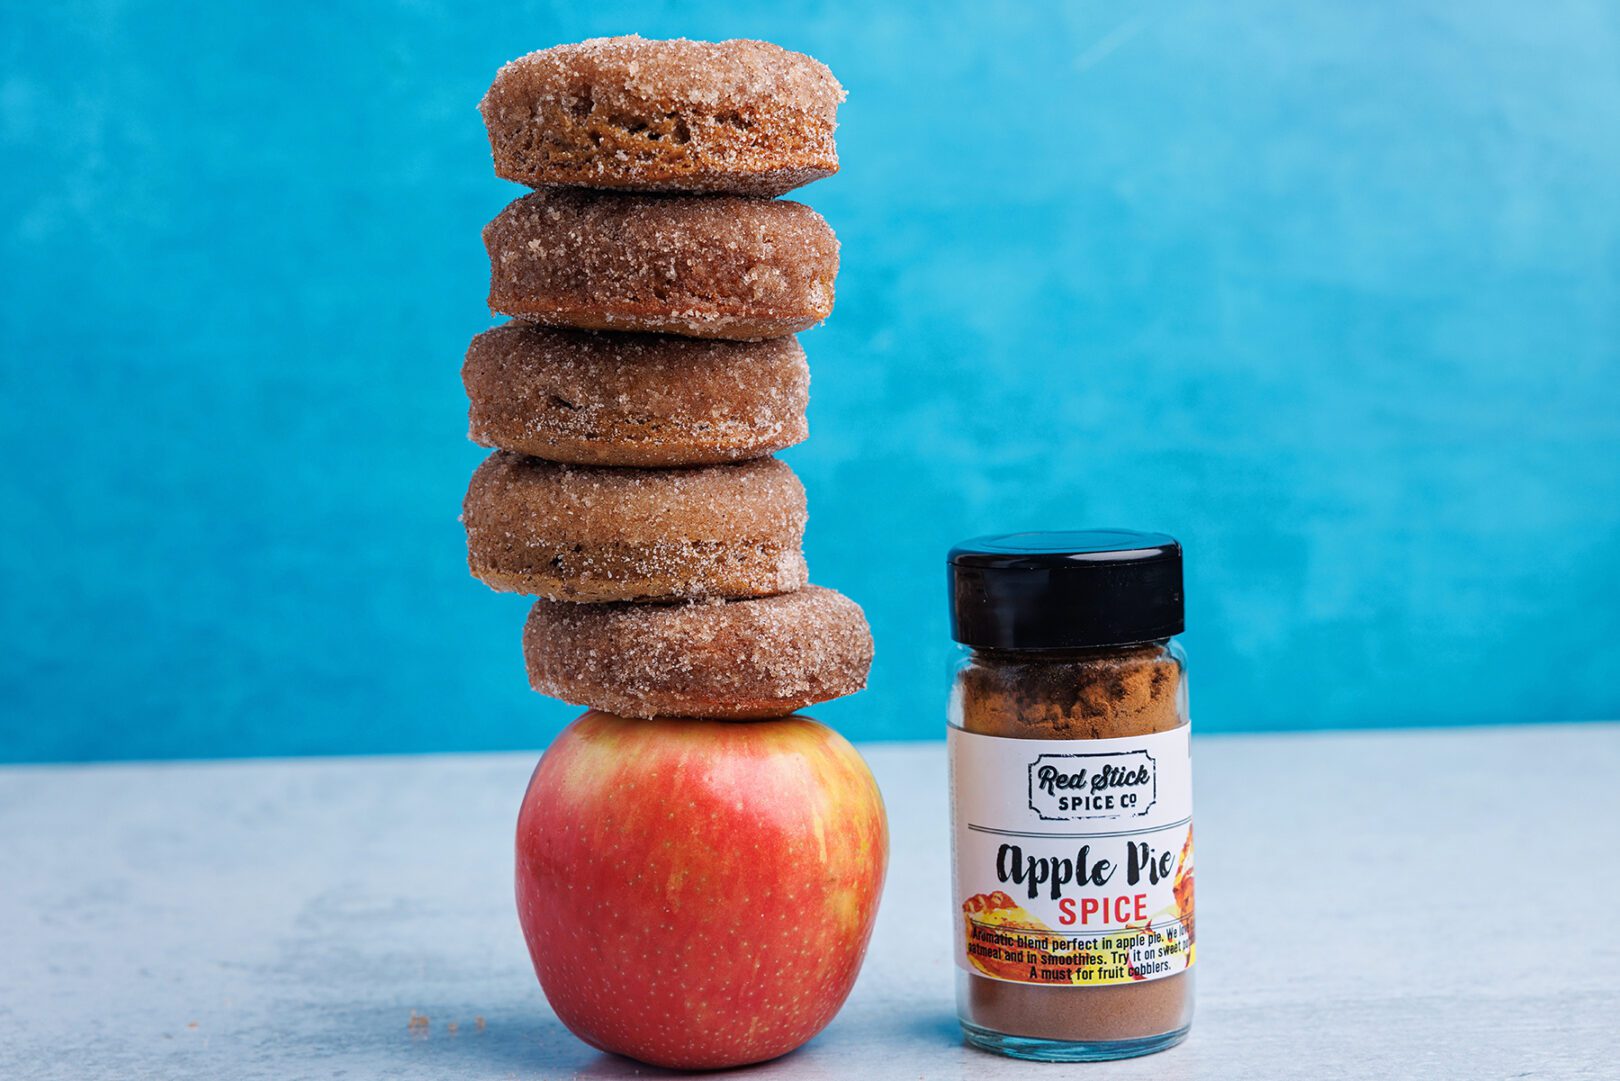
(1071, 795)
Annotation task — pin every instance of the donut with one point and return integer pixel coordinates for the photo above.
(746, 117)
(730, 660)
(633, 399)
(705, 266)
(595, 533)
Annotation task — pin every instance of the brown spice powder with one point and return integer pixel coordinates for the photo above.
(1094, 694)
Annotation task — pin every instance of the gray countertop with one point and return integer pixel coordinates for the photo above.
(1414, 904)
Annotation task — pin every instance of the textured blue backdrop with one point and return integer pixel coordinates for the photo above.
(1330, 291)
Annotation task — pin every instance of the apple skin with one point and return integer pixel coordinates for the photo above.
(699, 894)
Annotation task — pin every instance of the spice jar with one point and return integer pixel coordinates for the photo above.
(1071, 794)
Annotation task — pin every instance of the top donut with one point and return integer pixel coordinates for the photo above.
(745, 117)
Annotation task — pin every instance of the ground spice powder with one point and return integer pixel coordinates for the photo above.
(1098, 694)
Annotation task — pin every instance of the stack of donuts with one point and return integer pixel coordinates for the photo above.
(649, 373)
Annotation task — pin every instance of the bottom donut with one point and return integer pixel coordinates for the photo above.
(725, 660)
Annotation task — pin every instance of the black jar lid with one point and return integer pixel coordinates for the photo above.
(1068, 590)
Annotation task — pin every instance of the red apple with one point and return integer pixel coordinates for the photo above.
(699, 894)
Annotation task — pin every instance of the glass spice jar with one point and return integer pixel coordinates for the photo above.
(1071, 794)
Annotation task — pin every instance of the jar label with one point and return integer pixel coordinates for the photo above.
(1073, 859)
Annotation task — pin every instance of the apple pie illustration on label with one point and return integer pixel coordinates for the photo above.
(1073, 867)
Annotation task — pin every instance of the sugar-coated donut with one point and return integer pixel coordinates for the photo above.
(590, 533)
(733, 116)
(634, 399)
(716, 266)
(731, 660)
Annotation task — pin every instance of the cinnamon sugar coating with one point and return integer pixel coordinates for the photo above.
(733, 660)
(717, 266)
(634, 399)
(733, 116)
(584, 533)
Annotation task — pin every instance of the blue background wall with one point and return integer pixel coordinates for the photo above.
(1330, 291)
